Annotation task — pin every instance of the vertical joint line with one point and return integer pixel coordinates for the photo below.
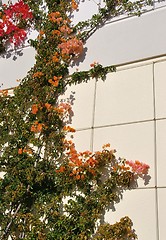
(155, 151)
(154, 95)
(93, 115)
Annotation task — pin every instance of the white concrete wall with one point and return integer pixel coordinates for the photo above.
(128, 109)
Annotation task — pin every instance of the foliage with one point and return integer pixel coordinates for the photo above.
(49, 189)
(120, 230)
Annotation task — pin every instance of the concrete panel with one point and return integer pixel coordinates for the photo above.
(128, 40)
(140, 206)
(132, 142)
(162, 212)
(81, 97)
(125, 96)
(160, 86)
(161, 153)
(15, 65)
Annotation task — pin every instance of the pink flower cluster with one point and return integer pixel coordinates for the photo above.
(138, 167)
(10, 19)
(72, 46)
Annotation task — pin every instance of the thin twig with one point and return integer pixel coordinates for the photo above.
(8, 226)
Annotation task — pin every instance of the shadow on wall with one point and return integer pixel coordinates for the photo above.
(120, 191)
(69, 100)
(12, 54)
(80, 59)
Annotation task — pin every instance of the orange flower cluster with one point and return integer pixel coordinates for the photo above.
(107, 145)
(55, 81)
(55, 17)
(61, 169)
(80, 163)
(55, 58)
(65, 29)
(120, 167)
(37, 75)
(25, 150)
(68, 129)
(34, 108)
(56, 32)
(71, 46)
(4, 92)
(37, 127)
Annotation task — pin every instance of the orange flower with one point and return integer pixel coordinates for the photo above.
(33, 128)
(92, 65)
(68, 129)
(37, 74)
(73, 150)
(56, 32)
(86, 153)
(107, 145)
(63, 40)
(59, 110)
(48, 106)
(27, 150)
(92, 171)
(41, 32)
(74, 5)
(114, 169)
(57, 78)
(124, 168)
(55, 14)
(34, 108)
(82, 177)
(77, 177)
(78, 162)
(55, 84)
(61, 169)
(4, 92)
(55, 59)
(55, 17)
(37, 127)
(59, 20)
(55, 81)
(65, 29)
(20, 151)
(91, 161)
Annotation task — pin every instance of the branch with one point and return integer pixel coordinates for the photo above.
(8, 226)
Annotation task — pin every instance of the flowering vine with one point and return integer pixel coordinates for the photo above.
(50, 190)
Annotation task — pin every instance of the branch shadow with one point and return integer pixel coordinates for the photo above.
(14, 54)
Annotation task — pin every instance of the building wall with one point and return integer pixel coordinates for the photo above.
(127, 109)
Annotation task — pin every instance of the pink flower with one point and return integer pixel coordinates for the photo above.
(72, 46)
(138, 167)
